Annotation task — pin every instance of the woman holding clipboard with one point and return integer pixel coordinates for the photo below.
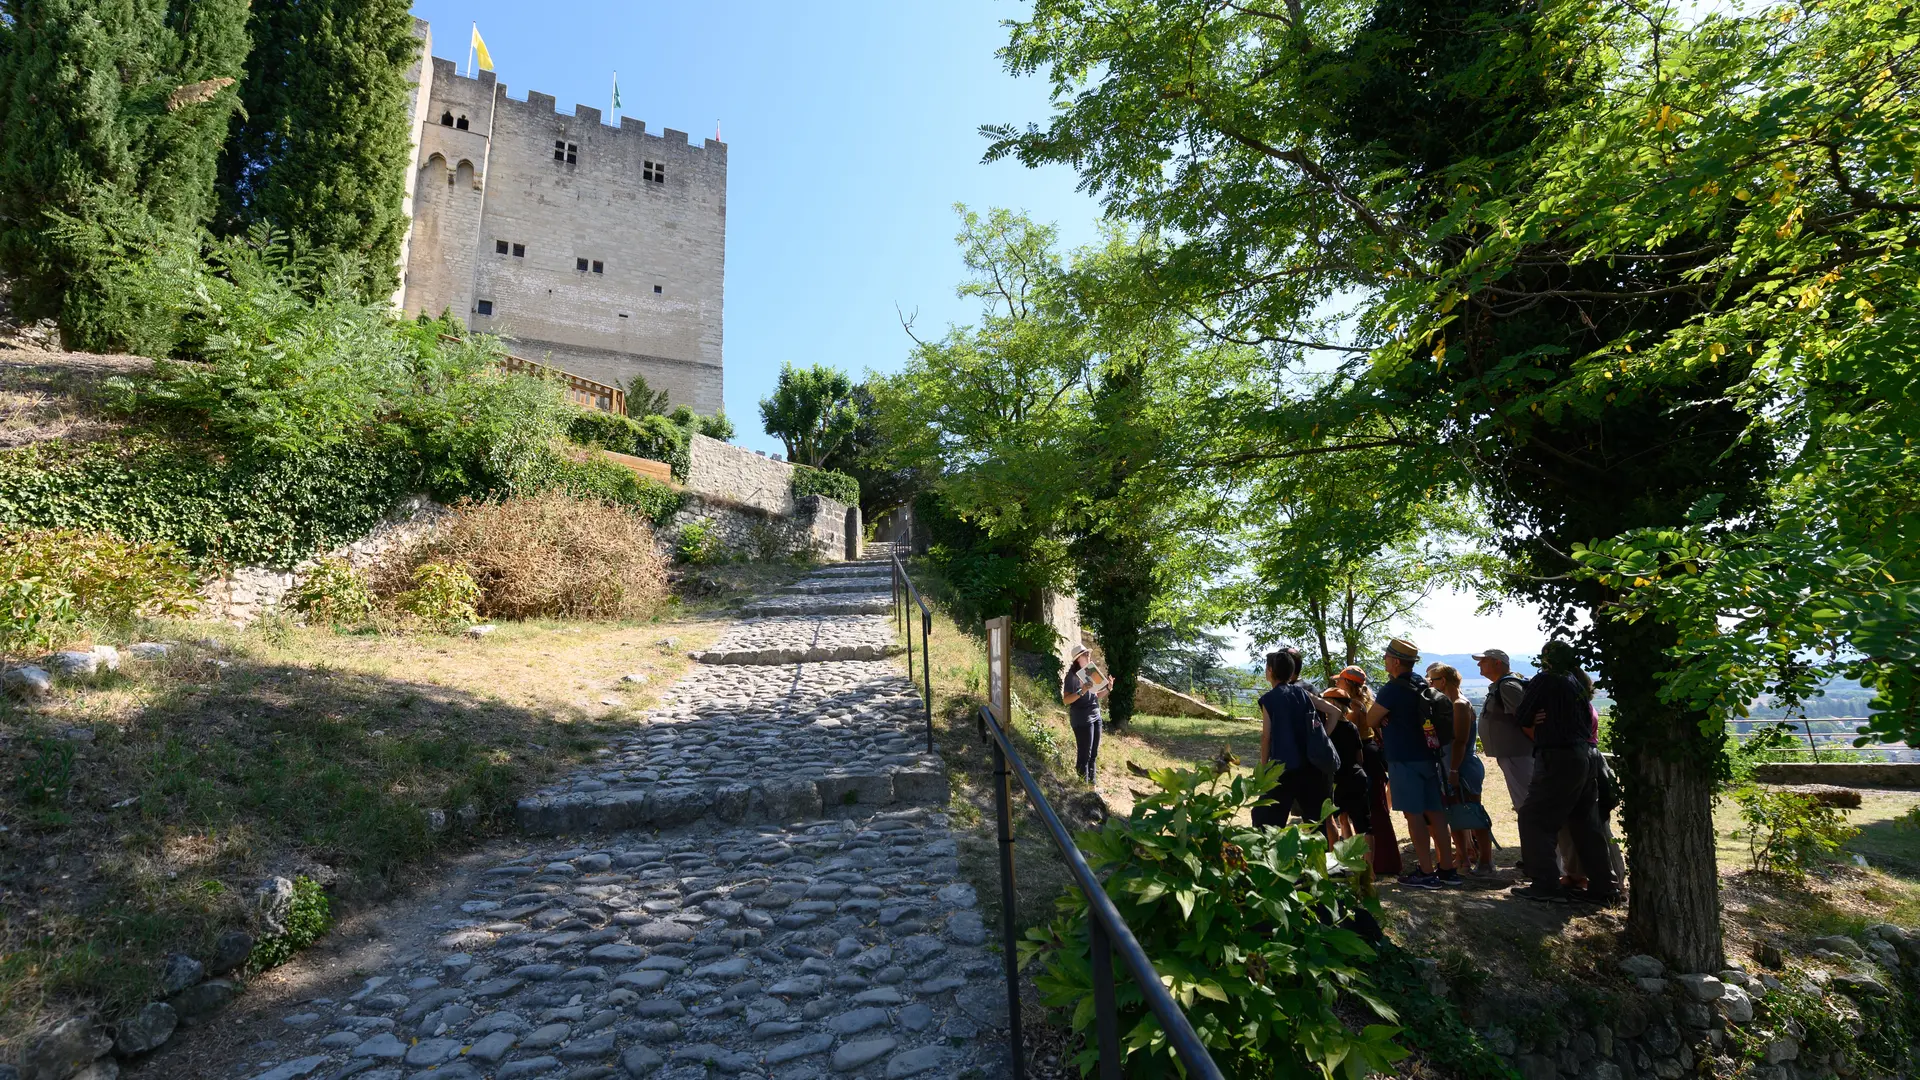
(1080, 692)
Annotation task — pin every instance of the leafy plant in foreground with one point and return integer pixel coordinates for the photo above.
(334, 592)
(1247, 928)
(442, 594)
(1789, 832)
(308, 916)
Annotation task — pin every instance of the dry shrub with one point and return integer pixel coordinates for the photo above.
(548, 555)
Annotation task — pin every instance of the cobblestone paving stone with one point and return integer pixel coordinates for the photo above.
(806, 947)
(788, 639)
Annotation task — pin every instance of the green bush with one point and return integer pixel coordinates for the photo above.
(834, 485)
(51, 579)
(308, 917)
(240, 507)
(653, 437)
(333, 592)
(442, 595)
(698, 543)
(610, 483)
(1246, 926)
(1789, 832)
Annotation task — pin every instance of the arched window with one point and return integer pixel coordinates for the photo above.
(463, 173)
(446, 119)
(461, 123)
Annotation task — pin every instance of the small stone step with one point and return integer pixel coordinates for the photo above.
(880, 586)
(776, 801)
(809, 655)
(841, 570)
(878, 604)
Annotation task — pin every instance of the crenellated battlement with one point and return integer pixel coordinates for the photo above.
(484, 88)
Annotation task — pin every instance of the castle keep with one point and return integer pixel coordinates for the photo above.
(596, 249)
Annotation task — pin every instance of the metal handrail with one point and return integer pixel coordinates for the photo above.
(1107, 932)
(904, 597)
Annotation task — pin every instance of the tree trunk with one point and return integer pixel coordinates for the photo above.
(1673, 910)
(1667, 765)
(1317, 611)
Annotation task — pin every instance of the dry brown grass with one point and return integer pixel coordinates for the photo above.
(56, 395)
(545, 556)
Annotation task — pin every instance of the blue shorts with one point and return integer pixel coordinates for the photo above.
(1416, 786)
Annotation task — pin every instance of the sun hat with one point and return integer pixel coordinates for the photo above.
(1353, 674)
(1402, 649)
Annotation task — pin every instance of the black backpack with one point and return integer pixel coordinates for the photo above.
(1438, 708)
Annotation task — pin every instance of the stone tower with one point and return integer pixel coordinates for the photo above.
(596, 249)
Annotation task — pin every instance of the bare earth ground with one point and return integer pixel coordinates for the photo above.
(55, 395)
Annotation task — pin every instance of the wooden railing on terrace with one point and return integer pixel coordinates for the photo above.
(581, 391)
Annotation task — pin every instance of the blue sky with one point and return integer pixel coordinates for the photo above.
(851, 130)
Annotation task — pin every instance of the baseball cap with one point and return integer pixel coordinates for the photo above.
(1495, 654)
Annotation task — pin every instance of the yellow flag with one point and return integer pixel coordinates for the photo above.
(480, 51)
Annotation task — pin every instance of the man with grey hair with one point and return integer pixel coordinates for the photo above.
(1502, 735)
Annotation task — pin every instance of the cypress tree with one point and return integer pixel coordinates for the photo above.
(320, 151)
(108, 107)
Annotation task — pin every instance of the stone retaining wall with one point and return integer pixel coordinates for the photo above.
(1872, 774)
(814, 525)
(248, 592)
(1663, 1026)
(1151, 698)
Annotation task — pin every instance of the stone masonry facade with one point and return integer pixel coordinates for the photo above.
(594, 248)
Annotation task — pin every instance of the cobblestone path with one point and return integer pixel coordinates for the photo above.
(758, 883)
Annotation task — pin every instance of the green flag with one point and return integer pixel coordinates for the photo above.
(616, 95)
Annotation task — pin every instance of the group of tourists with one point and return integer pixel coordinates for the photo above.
(1415, 746)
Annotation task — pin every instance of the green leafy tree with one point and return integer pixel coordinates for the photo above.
(1393, 155)
(884, 486)
(811, 411)
(644, 400)
(112, 113)
(320, 151)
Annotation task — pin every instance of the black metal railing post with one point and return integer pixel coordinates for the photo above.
(1108, 933)
(1003, 815)
(1106, 1014)
(926, 669)
(909, 623)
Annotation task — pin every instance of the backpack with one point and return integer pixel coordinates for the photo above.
(1436, 712)
(1493, 692)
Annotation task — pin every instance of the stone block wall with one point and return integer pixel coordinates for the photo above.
(724, 471)
(816, 527)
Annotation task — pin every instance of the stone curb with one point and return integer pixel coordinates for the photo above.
(775, 801)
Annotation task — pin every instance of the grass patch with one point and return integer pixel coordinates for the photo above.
(141, 811)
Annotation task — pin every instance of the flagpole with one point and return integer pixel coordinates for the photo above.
(613, 101)
(473, 33)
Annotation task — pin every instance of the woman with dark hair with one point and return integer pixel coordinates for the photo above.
(1080, 693)
(1291, 733)
(1383, 843)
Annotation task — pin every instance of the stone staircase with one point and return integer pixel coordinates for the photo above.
(796, 712)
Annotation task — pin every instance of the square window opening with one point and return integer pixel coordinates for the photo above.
(485, 307)
(559, 150)
(599, 267)
(499, 247)
(656, 289)
(580, 265)
(519, 251)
